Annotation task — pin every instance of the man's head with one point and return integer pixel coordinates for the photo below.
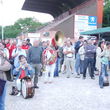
(14, 41)
(89, 41)
(36, 43)
(85, 42)
(44, 44)
(108, 45)
(81, 38)
(28, 41)
(24, 42)
(19, 46)
(6, 41)
(68, 43)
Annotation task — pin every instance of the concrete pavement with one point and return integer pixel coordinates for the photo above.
(64, 94)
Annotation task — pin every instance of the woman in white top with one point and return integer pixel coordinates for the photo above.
(82, 56)
(16, 53)
(98, 55)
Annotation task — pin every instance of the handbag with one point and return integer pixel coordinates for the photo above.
(2, 86)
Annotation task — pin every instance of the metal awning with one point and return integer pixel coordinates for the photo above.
(53, 7)
(97, 31)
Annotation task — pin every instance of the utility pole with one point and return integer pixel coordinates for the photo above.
(1, 2)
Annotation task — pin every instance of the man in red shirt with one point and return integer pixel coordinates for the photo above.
(24, 45)
(7, 43)
(11, 47)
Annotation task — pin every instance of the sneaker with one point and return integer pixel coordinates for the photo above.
(68, 76)
(93, 78)
(77, 76)
(36, 87)
(84, 77)
(45, 82)
(19, 93)
(101, 87)
(50, 82)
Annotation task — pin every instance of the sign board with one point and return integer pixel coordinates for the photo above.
(84, 23)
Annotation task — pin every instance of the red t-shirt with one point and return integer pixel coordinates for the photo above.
(12, 47)
(23, 74)
(25, 47)
(8, 45)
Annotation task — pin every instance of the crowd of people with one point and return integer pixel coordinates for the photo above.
(34, 60)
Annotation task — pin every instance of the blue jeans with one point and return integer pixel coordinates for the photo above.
(89, 62)
(109, 64)
(77, 63)
(57, 67)
(103, 74)
(2, 100)
(81, 66)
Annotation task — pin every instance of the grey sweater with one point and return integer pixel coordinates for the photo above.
(34, 55)
(90, 51)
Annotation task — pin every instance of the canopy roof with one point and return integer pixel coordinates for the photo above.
(53, 7)
(96, 31)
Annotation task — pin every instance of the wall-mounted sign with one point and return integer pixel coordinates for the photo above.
(84, 23)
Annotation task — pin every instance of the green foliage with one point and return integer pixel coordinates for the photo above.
(106, 19)
(21, 26)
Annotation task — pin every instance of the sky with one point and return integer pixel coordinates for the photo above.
(10, 11)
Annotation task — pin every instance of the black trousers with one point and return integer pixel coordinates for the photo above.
(88, 62)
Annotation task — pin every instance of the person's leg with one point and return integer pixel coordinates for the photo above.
(67, 62)
(47, 69)
(18, 84)
(91, 60)
(56, 69)
(86, 62)
(72, 65)
(94, 63)
(77, 64)
(52, 68)
(101, 77)
(41, 71)
(106, 73)
(2, 99)
(37, 72)
(109, 64)
(81, 66)
(59, 65)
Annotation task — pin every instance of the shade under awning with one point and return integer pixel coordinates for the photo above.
(53, 7)
(96, 31)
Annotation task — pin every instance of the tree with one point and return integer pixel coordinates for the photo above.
(11, 31)
(28, 24)
(21, 26)
(106, 19)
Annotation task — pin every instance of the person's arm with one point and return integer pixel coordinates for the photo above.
(15, 71)
(41, 55)
(30, 70)
(64, 51)
(98, 51)
(6, 66)
(29, 55)
(102, 53)
(81, 51)
(14, 53)
(7, 53)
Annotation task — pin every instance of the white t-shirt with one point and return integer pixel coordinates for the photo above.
(69, 49)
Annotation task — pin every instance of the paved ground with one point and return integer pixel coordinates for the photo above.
(63, 94)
